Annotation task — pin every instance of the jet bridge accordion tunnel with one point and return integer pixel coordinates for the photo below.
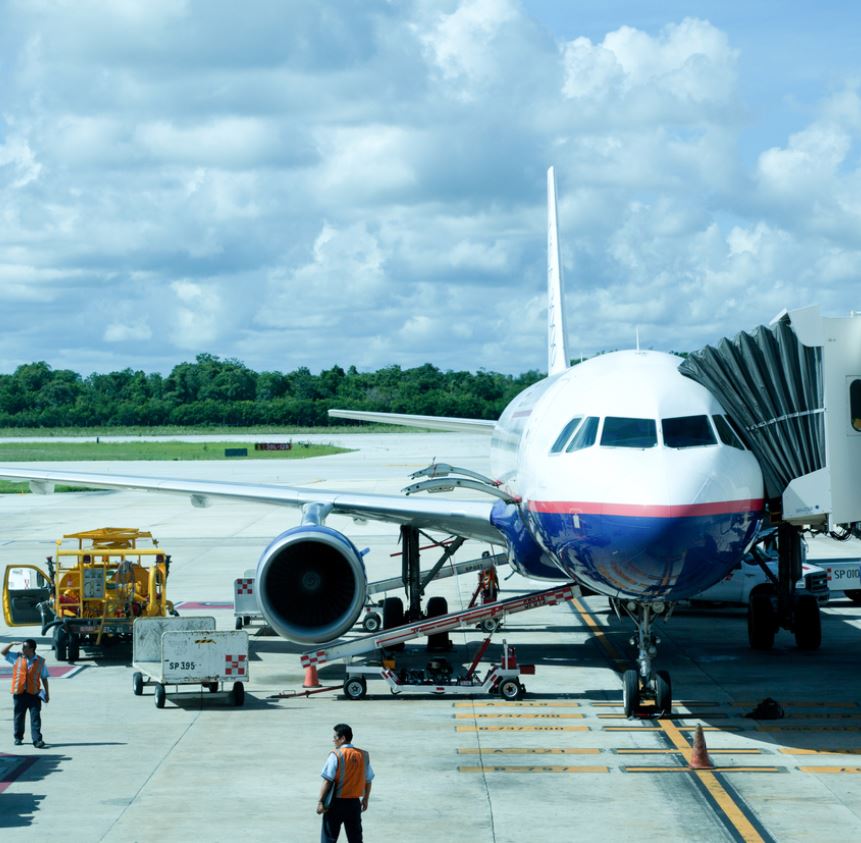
(794, 389)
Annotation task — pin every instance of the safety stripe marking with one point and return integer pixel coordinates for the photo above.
(675, 715)
(521, 728)
(518, 716)
(830, 769)
(680, 703)
(657, 769)
(661, 729)
(554, 704)
(679, 751)
(836, 751)
(791, 728)
(741, 821)
(539, 769)
(529, 750)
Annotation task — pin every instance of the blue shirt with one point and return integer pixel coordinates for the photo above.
(13, 657)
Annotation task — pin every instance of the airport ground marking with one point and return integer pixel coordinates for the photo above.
(530, 750)
(546, 768)
(519, 704)
(855, 750)
(588, 618)
(12, 766)
(801, 704)
(509, 715)
(828, 770)
(794, 727)
(522, 729)
(633, 751)
(655, 768)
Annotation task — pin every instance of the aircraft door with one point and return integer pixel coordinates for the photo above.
(24, 587)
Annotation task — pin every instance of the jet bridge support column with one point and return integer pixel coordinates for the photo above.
(788, 571)
(411, 570)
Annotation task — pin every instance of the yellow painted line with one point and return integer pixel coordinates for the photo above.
(801, 704)
(549, 704)
(518, 716)
(615, 656)
(672, 751)
(791, 728)
(716, 790)
(830, 769)
(541, 769)
(660, 729)
(680, 703)
(828, 715)
(677, 715)
(529, 750)
(726, 801)
(521, 728)
(836, 751)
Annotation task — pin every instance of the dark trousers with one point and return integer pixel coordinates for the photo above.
(346, 812)
(23, 703)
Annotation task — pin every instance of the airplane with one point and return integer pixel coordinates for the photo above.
(618, 473)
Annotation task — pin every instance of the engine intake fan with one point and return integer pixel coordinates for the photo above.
(311, 584)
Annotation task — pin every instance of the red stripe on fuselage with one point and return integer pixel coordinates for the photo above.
(636, 510)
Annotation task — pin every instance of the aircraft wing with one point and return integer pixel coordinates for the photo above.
(427, 422)
(470, 519)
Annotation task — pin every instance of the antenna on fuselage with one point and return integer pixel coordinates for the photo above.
(557, 348)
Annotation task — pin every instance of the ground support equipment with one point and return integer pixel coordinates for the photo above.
(188, 651)
(245, 607)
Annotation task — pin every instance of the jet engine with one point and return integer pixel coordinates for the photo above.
(311, 584)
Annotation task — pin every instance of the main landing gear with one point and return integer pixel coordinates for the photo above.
(645, 683)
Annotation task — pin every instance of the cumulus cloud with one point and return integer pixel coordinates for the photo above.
(362, 183)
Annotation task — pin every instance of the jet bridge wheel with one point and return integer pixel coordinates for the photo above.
(761, 620)
(630, 692)
(808, 624)
(663, 694)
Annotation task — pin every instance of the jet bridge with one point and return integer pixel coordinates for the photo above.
(794, 389)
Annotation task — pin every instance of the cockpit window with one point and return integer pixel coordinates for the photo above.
(629, 433)
(687, 432)
(726, 433)
(585, 435)
(563, 437)
(855, 403)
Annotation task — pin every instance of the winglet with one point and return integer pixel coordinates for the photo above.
(557, 348)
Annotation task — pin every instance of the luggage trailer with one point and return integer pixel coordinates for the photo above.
(502, 679)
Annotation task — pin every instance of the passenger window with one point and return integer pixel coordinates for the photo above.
(585, 436)
(563, 437)
(629, 433)
(687, 432)
(855, 403)
(726, 433)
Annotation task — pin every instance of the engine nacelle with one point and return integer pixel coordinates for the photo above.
(311, 584)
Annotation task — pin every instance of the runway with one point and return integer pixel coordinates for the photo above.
(563, 763)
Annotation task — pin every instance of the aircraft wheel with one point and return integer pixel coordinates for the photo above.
(355, 688)
(761, 622)
(808, 623)
(372, 622)
(61, 643)
(630, 692)
(246, 619)
(854, 595)
(160, 695)
(436, 607)
(663, 694)
(238, 623)
(238, 695)
(137, 683)
(74, 648)
(393, 615)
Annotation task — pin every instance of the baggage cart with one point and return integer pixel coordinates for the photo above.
(189, 651)
(245, 607)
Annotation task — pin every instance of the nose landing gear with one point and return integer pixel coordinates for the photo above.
(645, 683)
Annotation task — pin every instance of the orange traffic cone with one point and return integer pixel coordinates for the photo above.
(311, 680)
(699, 756)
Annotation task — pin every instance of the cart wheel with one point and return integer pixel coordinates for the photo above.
(355, 688)
(372, 622)
(238, 694)
(74, 649)
(509, 689)
(137, 683)
(212, 687)
(490, 625)
(160, 695)
(239, 623)
(61, 643)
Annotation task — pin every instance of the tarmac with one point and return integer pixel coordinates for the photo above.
(563, 763)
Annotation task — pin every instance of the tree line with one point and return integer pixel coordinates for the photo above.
(212, 391)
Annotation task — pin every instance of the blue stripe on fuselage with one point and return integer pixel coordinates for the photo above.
(647, 557)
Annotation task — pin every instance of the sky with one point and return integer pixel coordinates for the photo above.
(363, 183)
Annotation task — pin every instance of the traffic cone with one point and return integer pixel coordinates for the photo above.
(699, 755)
(311, 680)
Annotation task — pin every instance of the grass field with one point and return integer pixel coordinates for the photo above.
(199, 430)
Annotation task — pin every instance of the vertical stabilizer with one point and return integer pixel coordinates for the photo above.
(557, 348)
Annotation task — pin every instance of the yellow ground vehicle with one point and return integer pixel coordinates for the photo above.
(98, 582)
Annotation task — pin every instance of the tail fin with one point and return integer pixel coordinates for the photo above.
(557, 348)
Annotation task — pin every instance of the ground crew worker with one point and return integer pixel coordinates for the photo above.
(29, 674)
(347, 777)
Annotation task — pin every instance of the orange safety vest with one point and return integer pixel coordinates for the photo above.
(350, 776)
(27, 677)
